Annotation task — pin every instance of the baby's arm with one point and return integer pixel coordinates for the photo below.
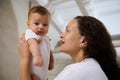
(34, 48)
(51, 62)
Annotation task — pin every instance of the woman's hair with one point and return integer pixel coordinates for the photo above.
(38, 9)
(99, 45)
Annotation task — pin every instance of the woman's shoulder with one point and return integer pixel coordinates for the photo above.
(88, 64)
(88, 67)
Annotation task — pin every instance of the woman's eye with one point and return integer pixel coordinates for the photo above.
(66, 30)
(36, 23)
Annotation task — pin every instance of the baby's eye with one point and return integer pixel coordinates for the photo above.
(36, 23)
(45, 24)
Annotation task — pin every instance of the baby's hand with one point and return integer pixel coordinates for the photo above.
(37, 61)
(40, 39)
(51, 67)
(35, 77)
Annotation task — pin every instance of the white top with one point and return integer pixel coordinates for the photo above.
(45, 53)
(30, 34)
(88, 69)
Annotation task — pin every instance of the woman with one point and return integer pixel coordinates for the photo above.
(87, 41)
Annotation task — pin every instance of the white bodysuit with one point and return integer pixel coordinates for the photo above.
(88, 69)
(45, 53)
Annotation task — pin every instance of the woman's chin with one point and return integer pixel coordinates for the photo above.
(61, 49)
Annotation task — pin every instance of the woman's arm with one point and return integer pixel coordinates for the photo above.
(25, 70)
(24, 54)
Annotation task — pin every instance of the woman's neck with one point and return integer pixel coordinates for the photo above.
(78, 57)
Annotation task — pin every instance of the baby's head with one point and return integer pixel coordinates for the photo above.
(38, 20)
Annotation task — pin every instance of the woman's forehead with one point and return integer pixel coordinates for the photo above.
(72, 24)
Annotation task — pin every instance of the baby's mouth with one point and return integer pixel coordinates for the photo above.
(40, 32)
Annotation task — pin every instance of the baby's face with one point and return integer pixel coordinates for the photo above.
(38, 23)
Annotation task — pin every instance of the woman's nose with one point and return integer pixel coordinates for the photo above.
(61, 35)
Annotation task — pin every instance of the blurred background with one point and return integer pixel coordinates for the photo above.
(13, 18)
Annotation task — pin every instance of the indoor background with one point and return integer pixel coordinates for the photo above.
(13, 18)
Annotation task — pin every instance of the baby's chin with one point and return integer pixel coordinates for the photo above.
(41, 34)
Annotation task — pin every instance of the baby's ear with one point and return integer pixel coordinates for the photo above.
(27, 23)
(83, 41)
(50, 39)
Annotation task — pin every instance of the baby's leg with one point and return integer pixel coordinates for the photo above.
(35, 77)
(37, 61)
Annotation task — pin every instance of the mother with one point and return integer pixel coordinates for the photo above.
(89, 44)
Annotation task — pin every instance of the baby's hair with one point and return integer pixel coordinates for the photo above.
(38, 9)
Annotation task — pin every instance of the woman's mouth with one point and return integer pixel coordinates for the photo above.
(61, 42)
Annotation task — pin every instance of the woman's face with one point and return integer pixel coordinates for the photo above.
(70, 38)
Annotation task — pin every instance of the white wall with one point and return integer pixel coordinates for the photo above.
(21, 8)
(12, 21)
(13, 17)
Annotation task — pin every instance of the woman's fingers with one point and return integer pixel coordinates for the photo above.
(23, 47)
(21, 42)
(23, 37)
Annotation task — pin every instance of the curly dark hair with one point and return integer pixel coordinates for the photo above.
(99, 45)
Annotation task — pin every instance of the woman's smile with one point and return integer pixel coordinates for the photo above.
(61, 42)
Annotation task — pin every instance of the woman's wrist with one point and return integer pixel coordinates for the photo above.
(25, 69)
(24, 61)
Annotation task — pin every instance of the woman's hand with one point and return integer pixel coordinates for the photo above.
(24, 54)
(23, 49)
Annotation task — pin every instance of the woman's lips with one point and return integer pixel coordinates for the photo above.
(61, 42)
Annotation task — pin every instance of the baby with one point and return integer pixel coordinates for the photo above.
(42, 59)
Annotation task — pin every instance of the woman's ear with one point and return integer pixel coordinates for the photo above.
(83, 42)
